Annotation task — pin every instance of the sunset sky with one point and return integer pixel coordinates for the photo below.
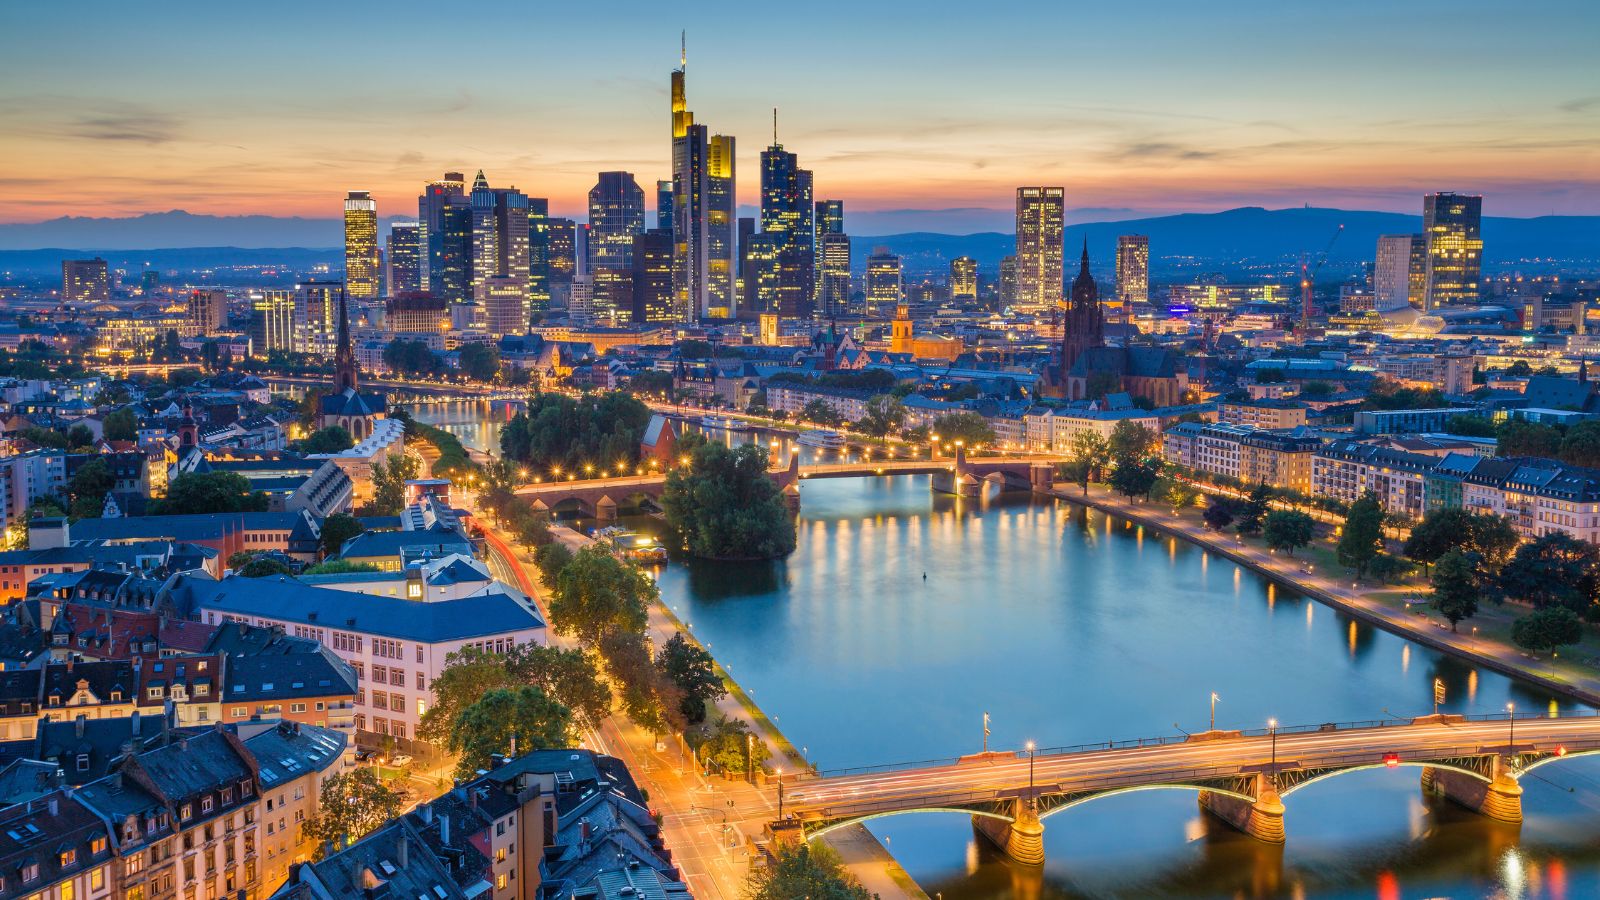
(918, 115)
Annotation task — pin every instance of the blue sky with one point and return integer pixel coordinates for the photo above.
(916, 114)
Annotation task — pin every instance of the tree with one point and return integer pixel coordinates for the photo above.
(1254, 509)
(967, 427)
(1182, 495)
(121, 425)
(726, 745)
(410, 357)
(884, 414)
(1556, 570)
(726, 506)
(1438, 533)
(1467, 425)
(1388, 568)
(692, 669)
(1316, 390)
(1135, 477)
(1494, 538)
(1519, 437)
(211, 492)
(389, 484)
(597, 595)
(480, 361)
(1131, 439)
(1455, 586)
(1361, 538)
(558, 432)
(353, 804)
(336, 529)
(820, 412)
(651, 381)
(550, 560)
(332, 439)
(506, 720)
(532, 529)
(571, 677)
(263, 567)
(1219, 515)
(1090, 453)
(88, 488)
(340, 567)
(1547, 629)
(1288, 530)
(803, 871)
(648, 698)
(1581, 445)
(80, 436)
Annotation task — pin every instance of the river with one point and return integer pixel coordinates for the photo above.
(903, 617)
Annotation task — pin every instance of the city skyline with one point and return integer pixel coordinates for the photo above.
(269, 129)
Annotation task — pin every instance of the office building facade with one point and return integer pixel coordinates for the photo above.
(963, 279)
(362, 275)
(884, 283)
(1133, 269)
(1452, 226)
(85, 281)
(1041, 215)
(403, 258)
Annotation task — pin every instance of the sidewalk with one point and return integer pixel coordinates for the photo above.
(1340, 594)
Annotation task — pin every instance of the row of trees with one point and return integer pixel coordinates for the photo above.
(571, 433)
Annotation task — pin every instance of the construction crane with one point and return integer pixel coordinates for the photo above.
(1308, 274)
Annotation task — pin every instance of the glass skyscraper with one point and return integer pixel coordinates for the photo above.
(1452, 226)
(361, 272)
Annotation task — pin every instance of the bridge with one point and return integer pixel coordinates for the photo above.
(1242, 778)
(600, 498)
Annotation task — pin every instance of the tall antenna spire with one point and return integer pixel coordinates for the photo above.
(683, 48)
(774, 126)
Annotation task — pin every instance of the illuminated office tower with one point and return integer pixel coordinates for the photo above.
(563, 251)
(1040, 217)
(316, 316)
(505, 305)
(833, 278)
(272, 315)
(787, 212)
(616, 216)
(1133, 269)
(1451, 223)
(884, 285)
(1008, 282)
(747, 275)
(664, 204)
(206, 312)
(538, 253)
(761, 272)
(652, 277)
(1399, 273)
(703, 213)
(830, 216)
(436, 196)
(403, 258)
(963, 279)
(499, 242)
(361, 272)
(85, 281)
(149, 283)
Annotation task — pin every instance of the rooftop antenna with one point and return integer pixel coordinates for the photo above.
(774, 126)
(683, 49)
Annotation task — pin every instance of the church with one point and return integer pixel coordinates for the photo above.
(1088, 369)
(347, 407)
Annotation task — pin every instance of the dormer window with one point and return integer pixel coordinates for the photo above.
(68, 857)
(154, 692)
(83, 762)
(185, 812)
(30, 872)
(116, 696)
(205, 804)
(55, 700)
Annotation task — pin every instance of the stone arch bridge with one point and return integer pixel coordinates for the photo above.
(1242, 778)
(600, 498)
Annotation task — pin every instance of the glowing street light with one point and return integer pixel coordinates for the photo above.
(1214, 699)
(1272, 729)
(1033, 752)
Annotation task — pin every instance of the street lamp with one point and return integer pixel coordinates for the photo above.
(1032, 753)
(1511, 719)
(1272, 729)
(1214, 699)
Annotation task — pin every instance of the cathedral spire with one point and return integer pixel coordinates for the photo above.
(344, 357)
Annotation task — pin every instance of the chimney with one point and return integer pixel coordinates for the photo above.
(444, 830)
(400, 851)
(78, 725)
(583, 830)
(133, 722)
(55, 808)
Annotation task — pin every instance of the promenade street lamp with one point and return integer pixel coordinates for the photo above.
(1214, 699)
(1511, 719)
(1032, 753)
(1272, 729)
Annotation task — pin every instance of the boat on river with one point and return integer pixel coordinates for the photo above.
(821, 437)
(723, 423)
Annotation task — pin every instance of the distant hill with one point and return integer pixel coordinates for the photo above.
(1216, 241)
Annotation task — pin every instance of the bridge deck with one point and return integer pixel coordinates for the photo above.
(979, 465)
(1000, 776)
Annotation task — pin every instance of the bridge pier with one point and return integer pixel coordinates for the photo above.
(1500, 799)
(1021, 839)
(1261, 818)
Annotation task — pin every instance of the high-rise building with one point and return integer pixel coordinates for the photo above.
(416, 312)
(652, 277)
(403, 258)
(747, 274)
(787, 212)
(316, 316)
(830, 217)
(1452, 224)
(272, 322)
(664, 204)
(149, 283)
(499, 239)
(504, 299)
(1041, 215)
(884, 285)
(206, 312)
(1008, 282)
(436, 196)
(362, 275)
(563, 251)
(85, 281)
(1399, 272)
(538, 253)
(616, 216)
(703, 183)
(963, 278)
(1133, 270)
(833, 276)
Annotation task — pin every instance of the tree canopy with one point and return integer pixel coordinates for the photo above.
(803, 870)
(353, 804)
(1361, 539)
(726, 506)
(211, 492)
(1455, 586)
(570, 433)
(967, 427)
(479, 360)
(596, 595)
(1288, 530)
(331, 439)
(336, 529)
(505, 719)
(1547, 629)
(694, 672)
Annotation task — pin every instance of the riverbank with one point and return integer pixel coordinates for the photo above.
(1369, 606)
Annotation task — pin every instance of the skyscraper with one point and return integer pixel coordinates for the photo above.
(884, 285)
(431, 232)
(963, 278)
(703, 212)
(85, 281)
(361, 273)
(1008, 281)
(1040, 221)
(451, 270)
(505, 305)
(272, 315)
(1452, 225)
(563, 251)
(652, 277)
(833, 292)
(664, 204)
(206, 312)
(787, 213)
(500, 257)
(1133, 270)
(747, 274)
(1399, 272)
(830, 217)
(403, 258)
(538, 253)
(616, 216)
(316, 316)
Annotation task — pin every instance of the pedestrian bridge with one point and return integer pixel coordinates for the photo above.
(600, 497)
(1243, 778)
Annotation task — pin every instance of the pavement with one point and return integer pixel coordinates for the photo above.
(1340, 592)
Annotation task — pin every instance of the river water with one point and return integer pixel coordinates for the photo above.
(904, 616)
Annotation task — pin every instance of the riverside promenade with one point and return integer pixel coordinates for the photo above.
(1341, 593)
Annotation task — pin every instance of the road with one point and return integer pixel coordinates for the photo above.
(1001, 776)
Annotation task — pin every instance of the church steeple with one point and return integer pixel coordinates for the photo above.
(344, 357)
(1085, 325)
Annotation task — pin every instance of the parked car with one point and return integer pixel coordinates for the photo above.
(365, 756)
(399, 759)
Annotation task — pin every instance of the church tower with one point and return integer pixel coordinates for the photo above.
(1085, 326)
(344, 356)
(900, 331)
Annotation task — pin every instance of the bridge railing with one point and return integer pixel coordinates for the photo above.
(1167, 740)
